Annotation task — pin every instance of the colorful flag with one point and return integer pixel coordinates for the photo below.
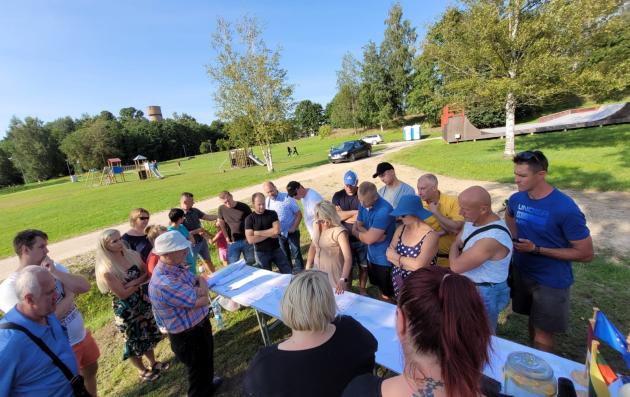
(597, 386)
(607, 372)
(607, 332)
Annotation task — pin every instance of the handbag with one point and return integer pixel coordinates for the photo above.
(76, 381)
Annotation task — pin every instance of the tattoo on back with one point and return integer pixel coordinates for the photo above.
(427, 388)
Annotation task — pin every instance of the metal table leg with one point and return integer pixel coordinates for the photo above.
(264, 329)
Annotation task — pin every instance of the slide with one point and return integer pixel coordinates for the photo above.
(256, 160)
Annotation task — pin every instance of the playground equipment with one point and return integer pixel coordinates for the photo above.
(457, 128)
(142, 171)
(111, 172)
(241, 158)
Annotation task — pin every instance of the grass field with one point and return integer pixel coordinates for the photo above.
(593, 158)
(65, 209)
(601, 283)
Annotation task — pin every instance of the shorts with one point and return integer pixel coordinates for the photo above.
(381, 276)
(547, 308)
(86, 352)
(359, 254)
(223, 254)
(201, 249)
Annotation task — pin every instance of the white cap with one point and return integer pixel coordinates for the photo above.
(170, 242)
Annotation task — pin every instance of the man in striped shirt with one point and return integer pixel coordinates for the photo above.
(180, 305)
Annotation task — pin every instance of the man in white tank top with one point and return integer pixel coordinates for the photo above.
(482, 251)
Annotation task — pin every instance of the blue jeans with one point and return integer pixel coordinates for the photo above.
(359, 254)
(495, 297)
(290, 245)
(241, 246)
(277, 256)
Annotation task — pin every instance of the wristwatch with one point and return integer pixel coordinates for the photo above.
(345, 280)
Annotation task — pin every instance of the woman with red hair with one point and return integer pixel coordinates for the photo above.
(443, 329)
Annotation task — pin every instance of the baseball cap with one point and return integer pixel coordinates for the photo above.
(169, 242)
(381, 168)
(350, 178)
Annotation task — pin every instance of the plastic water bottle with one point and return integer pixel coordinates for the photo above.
(216, 309)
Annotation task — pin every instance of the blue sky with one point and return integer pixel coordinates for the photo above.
(70, 57)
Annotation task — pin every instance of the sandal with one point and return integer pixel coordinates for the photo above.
(159, 367)
(148, 376)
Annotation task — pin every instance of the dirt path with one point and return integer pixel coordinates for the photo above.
(607, 213)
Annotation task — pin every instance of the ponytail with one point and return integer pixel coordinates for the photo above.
(447, 317)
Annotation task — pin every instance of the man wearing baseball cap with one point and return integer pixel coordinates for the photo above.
(346, 201)
(180, 305)
(394, 189)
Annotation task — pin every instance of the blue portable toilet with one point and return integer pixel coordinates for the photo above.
(412, 132)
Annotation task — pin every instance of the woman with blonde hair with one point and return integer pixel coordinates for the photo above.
(136, 238)
(324, 351)
(121, 272)
(330, 248)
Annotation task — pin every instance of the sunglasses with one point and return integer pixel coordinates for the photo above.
(528, 155)
(143, 218)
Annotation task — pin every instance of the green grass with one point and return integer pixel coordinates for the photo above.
(65, 209)
(602, 283)
(592, 158)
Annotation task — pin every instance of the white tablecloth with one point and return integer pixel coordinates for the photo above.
(263, 290)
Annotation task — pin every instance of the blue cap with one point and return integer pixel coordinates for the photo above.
(411, 205)
(350, 178)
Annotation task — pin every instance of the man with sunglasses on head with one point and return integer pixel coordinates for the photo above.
(549, 232)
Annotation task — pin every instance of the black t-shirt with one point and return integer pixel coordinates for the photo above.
(193, 221)
(264, 221)
(140, 244)
(235, 219)
(347, 203)
(321, 371)
(366, 385)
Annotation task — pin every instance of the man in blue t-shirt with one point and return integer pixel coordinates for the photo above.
(375, 227)
(549, 231)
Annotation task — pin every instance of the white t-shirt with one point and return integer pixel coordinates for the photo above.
(72, 321)
(489, 271)
(309, 202)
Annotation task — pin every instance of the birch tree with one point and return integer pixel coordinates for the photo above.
(524, 51)
(250, 83)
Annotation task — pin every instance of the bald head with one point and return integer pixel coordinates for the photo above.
(476, 195)
(475, 204)
(270, 189)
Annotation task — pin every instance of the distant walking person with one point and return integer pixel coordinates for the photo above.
(551, 232)
(289, 151)
(295, 152)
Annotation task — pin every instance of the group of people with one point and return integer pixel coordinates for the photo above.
(443, 260)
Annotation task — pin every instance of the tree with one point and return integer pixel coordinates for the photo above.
(130, 113)
(34, 150)
(375, 102)
(348, 78)
(525, 51)
(61, 128)
(93, 145)
(427, 93)
(308, 116)
(9, 175)
(250, 83)
(341, 108)
(397, 53)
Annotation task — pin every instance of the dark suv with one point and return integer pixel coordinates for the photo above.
(349, 151)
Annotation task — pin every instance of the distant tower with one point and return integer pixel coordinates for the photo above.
(155, 113)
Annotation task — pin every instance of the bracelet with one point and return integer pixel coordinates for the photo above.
(536, 250)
